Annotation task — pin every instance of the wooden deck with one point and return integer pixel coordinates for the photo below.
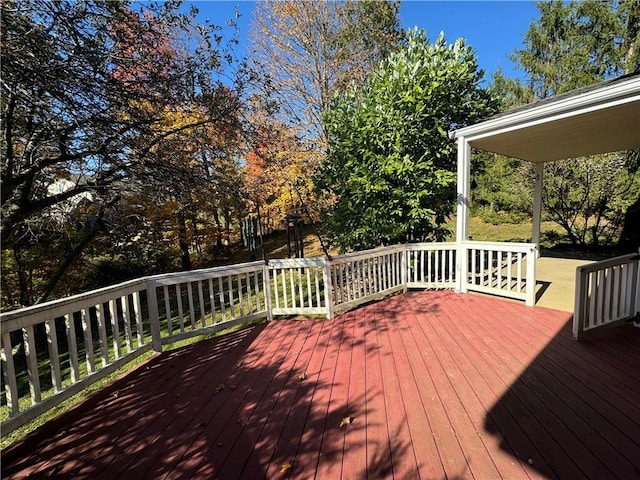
(436, 385)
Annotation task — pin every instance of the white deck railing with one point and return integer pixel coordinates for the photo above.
(505, 269)
(361, 277)
(606, 293)
(431, 265)
(54, 350)
(298, 286)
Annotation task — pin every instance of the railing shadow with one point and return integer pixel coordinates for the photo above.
(543, 287)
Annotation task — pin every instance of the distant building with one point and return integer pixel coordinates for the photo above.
(64, 211)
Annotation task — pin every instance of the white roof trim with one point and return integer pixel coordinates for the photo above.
(622, 95)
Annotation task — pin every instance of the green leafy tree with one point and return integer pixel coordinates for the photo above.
(391, 163)
(577, 44)
(589, 196)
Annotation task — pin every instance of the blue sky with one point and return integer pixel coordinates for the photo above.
(493, 28)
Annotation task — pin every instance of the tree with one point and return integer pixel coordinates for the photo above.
(577, 44)
(309, 49)
(86, 88)
(391, 163)
(278, 175)
(205, 175)
(588, 197)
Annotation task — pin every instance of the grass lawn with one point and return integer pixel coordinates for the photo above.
(508, 232)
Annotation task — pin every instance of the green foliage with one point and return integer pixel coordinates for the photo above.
(588, 197)
(391, 163)
(502, 217)
(576, 44)
(503, 186)
(103, 101)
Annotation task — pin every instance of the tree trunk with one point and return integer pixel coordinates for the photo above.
(216, 218)
(183, 242)
(71, 257)
(23, 283)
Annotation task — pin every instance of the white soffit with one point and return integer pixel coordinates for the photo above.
(604, 118)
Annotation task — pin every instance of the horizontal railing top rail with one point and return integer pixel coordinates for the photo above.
(502, 246)
(297, 262)
(610, 262)
(206, 273)
(430, 246)
(350, 257)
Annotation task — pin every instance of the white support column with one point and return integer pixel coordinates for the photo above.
(462, 212)
(537, 206)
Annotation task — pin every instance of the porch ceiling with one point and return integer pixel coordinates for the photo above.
(600, 119)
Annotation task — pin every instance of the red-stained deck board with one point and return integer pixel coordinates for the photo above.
(530, 440)
(176, 429)
(554, 390)
(531, 392)
(228, 426)
(461, 405)
(566, 360)
(191, 441)
(284, 395)
(339, 407)
(266, 406)
(378, 435)
(433, 403)
(404, 460)
(577, 436)
(439, 385)
(318, 421)
(455, 346)
(287, 442)
(354, 463)
(196, 436)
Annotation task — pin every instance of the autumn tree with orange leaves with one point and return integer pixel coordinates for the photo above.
(278, 173)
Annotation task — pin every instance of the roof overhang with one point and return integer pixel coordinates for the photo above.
(600, 119)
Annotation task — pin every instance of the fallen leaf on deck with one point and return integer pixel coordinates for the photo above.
(218, 388)
(346, 421)
(286, 467)
(302, 376)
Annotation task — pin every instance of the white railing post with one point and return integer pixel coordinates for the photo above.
(462, 213)
(266, 278)
(537, 205)
(9, 371)
(154, 316)
(328, 287)
(404, 267)
(531, 276)
(462, 268)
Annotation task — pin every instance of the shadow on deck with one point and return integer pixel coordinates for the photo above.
(426, 384)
